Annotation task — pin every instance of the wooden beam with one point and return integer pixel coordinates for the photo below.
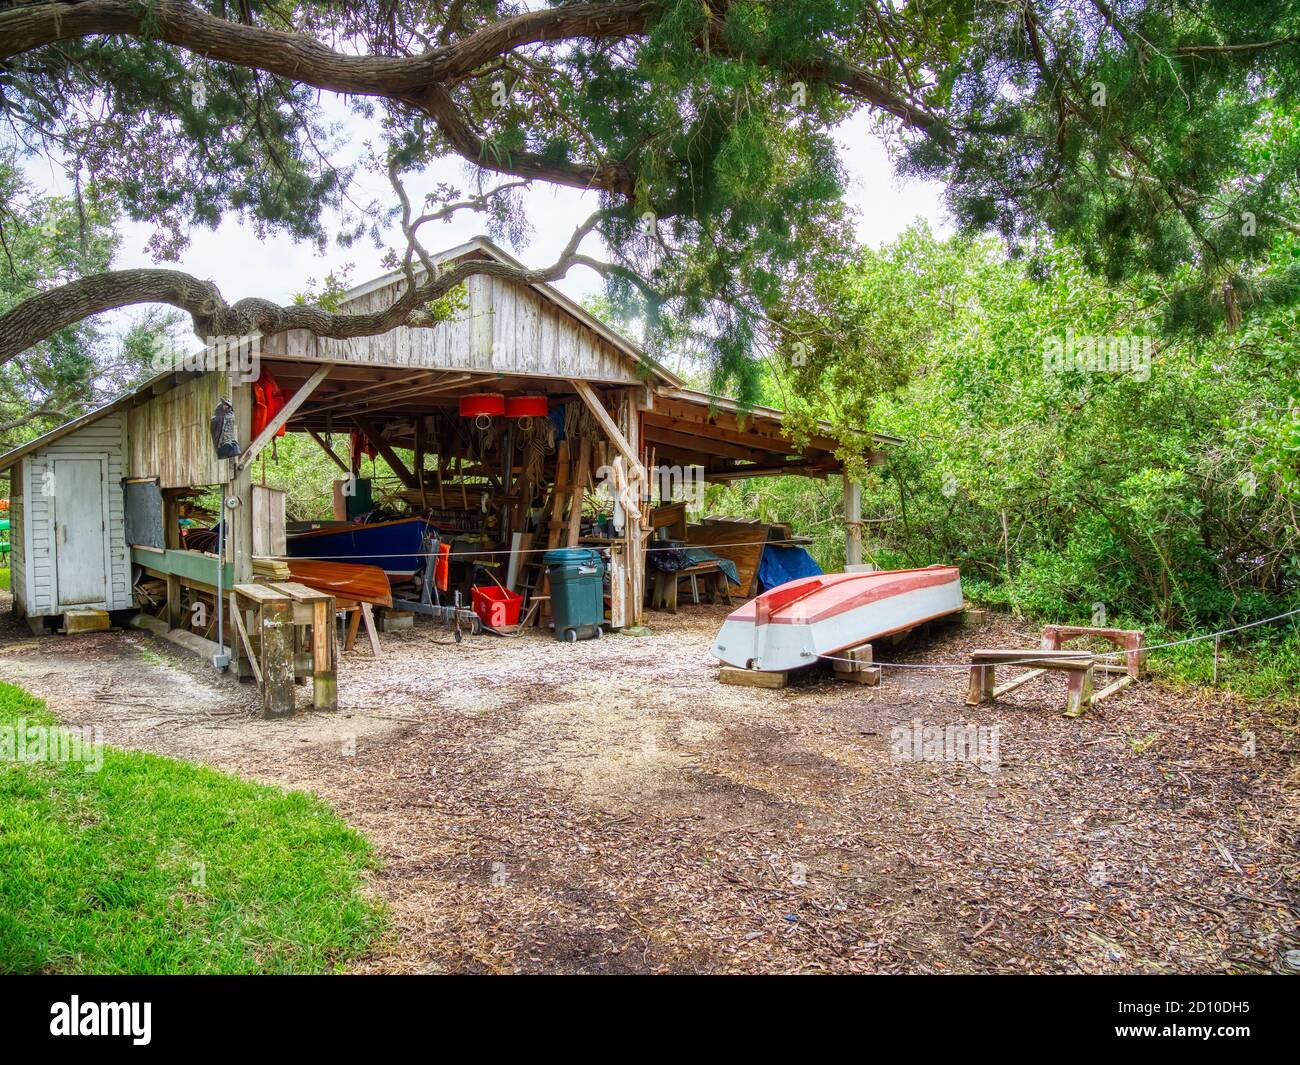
(412, 396)
(708, 432)
(328, 450)
(390, 456)
(702, 444)
(352, 394)
(798, 469)
(282, 415)
(606, 423)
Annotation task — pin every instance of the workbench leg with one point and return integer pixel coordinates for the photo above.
(325, 686)
(671, 603)
(354, 622)
(277, 659)
(1078, 696)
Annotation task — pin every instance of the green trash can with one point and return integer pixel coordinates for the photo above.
(577, 576)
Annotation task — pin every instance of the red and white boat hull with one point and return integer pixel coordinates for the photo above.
(792, 625)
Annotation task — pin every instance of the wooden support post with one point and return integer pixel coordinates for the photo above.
(174, 619)
(579, 491)
(852, 522)
(239, 519)
(277, 658)
(325, 685)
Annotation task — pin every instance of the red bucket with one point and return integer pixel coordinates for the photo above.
(495, 607)
(526, 406)
(490, 403)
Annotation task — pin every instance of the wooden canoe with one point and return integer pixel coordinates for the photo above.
(345, 580)
(792, 625)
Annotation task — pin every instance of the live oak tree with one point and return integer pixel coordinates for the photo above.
(1131, 128)
(47, 241)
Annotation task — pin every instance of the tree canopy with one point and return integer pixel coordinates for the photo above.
(1135, 130)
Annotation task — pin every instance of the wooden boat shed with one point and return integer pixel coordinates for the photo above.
(74, 548)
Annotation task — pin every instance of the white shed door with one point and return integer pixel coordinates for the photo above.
(79, 531)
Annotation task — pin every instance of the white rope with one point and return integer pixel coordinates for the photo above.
(525, 551)
(1032, 657)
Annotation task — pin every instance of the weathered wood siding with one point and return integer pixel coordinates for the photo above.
(171, 438)
(505, 328)
(17, 548)
(105, 436)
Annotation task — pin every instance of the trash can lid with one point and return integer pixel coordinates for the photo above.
(563, 556)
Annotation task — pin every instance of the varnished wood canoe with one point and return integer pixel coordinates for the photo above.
(344, 580)
(792, 625)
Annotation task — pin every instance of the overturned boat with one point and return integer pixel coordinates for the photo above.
(792, 625)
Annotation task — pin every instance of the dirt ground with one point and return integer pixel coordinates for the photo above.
(610, 807)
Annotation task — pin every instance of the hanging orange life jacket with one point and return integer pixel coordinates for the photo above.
(442, 567)
(268, 401)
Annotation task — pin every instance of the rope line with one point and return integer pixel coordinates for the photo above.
(1031, 657)
(524, 551)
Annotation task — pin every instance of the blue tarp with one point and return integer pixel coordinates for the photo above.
(703, 554)
(781, 565)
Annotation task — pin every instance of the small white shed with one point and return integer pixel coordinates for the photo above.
(67, 519)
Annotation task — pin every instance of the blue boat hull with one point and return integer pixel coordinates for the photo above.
(393, 546)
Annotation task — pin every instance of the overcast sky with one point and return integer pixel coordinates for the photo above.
(243, 265)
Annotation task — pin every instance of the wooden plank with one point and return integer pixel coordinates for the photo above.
(752, 678)
(367, 613)
(1113, 687)
(248, 646)
(281, 417)
(193, 565)
(1016, 682)
(269, 538)
(259, 593)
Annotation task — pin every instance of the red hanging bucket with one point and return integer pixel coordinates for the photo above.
(526, 406)
(480, 403)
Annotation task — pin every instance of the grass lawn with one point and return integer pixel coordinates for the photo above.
(150, 865)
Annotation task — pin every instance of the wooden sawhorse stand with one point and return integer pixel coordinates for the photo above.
(1078, 664)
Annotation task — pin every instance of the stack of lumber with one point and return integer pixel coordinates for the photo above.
(271, 569)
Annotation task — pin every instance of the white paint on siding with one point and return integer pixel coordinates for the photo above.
(107, 436)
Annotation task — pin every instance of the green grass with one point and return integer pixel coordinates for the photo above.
(4, 578)
(151, 865)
